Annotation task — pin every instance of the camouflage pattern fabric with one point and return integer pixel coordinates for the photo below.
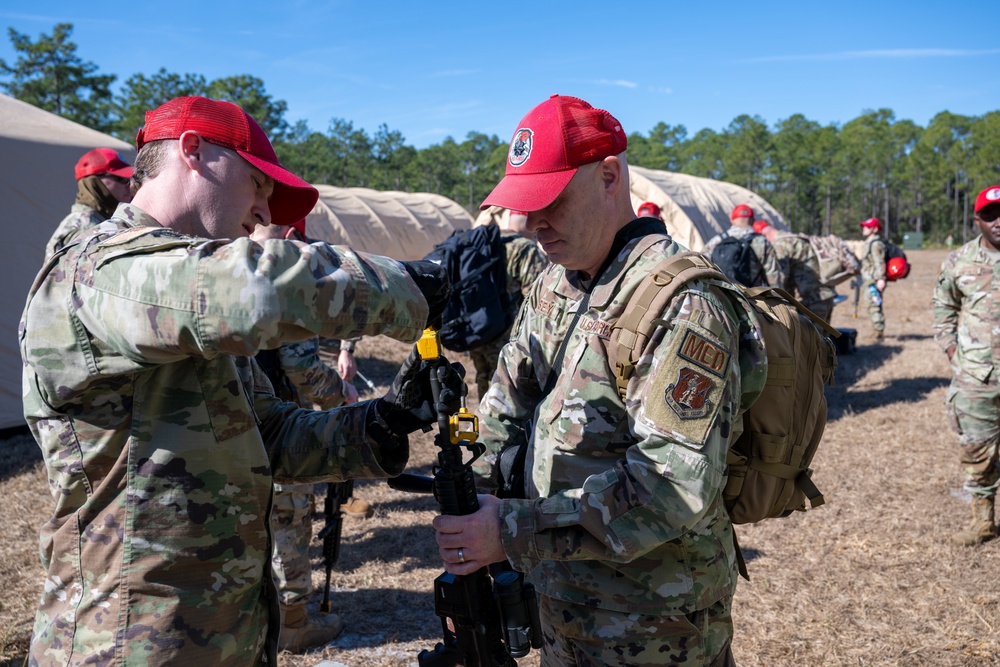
(801, 269)
(162, 437)
(873, 270)
(525, 261)
(623, 508)
(308, 382)
(588, 637)
(761, 247)
(966, 308)
(82, 218)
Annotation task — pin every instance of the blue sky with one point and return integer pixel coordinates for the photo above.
(438, 69)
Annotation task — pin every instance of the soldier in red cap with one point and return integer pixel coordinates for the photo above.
(102, 181)
(161, 436)
(622, 528)
(743, 254)
(966, 310)
(873, 262)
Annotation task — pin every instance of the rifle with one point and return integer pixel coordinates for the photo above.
(856, 284)
(337, 493)
(495, 619)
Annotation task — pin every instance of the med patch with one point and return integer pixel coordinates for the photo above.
(685, 391)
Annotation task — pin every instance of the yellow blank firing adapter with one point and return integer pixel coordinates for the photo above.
(463, 426)
(428, 346)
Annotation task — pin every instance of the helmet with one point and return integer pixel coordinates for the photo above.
(897, 268)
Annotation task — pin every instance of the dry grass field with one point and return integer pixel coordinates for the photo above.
(869, 579)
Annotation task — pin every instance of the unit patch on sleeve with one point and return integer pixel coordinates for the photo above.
(683, 394)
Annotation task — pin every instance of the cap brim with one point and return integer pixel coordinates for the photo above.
(292, 198)
(122, 172)
(528, 192)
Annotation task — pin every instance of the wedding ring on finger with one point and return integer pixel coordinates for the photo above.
(461, 556)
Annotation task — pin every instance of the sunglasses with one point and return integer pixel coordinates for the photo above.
(116, 179)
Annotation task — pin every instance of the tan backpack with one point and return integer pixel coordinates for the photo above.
(837, 262)
(768, 465)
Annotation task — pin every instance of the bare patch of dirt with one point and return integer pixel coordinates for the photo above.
(868, 579)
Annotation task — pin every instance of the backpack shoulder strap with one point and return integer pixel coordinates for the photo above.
(641, 315)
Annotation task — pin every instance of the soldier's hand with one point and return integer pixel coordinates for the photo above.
(432, 281)
(409, 403)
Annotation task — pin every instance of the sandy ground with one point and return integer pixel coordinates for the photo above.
(868, 579)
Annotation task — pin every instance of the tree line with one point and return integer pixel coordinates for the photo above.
(823, 178)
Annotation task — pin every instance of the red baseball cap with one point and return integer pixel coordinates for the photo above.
(518, 213)
(649, 208)
(990, 195)
(225, 124)
(102, 161)
(550, 143)
(760, 225)
(741, 211)
(872, 222)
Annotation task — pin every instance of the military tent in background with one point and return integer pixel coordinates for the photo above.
(38, 151)
(694, 209)
(401, 225)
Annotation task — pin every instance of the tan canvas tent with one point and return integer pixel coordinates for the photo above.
(37, 153)
(694, 209)
(401, 225)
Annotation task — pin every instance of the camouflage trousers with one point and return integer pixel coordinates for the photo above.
(874, 310)
(593, 637)
(824, 309)
(485, 360)
(973, 409)
(291, 527)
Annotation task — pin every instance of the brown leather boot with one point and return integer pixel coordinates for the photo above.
(301, 631)
(356, 508)
(983, 527)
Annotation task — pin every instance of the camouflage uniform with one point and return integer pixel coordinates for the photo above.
(801, 268)
(761, 247)
(624, 513)
(82, 218)
(524, 262)
(873, 270)
(162, 438)
(966, 310)
(305, 380)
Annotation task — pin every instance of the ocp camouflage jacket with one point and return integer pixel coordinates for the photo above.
(967, 309)
(624, 507)
(162, 438)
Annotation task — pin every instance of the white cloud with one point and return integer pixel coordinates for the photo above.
(454, 72)
(617, 82)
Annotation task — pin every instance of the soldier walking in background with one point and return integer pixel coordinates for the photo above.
(873, 259)
(525, 261)
(766, 269)
(966, 310)
(800, 266)
(102, 182)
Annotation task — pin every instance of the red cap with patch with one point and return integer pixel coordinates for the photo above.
(760, 225)
(872, 222)
(550, 143)
(227, 125)
(102, 161)
(741, 211)
(990, 195)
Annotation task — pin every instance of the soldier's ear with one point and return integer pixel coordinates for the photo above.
(192, 150)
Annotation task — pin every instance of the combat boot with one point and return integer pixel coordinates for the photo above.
(879, 335)
(356, 508)
(982, 528)
(301, 631)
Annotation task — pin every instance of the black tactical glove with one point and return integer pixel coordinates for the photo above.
(409, 403)
(432, 281)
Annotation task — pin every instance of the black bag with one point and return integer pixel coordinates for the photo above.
(738, 261)
(479, 309)
(901, 267)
